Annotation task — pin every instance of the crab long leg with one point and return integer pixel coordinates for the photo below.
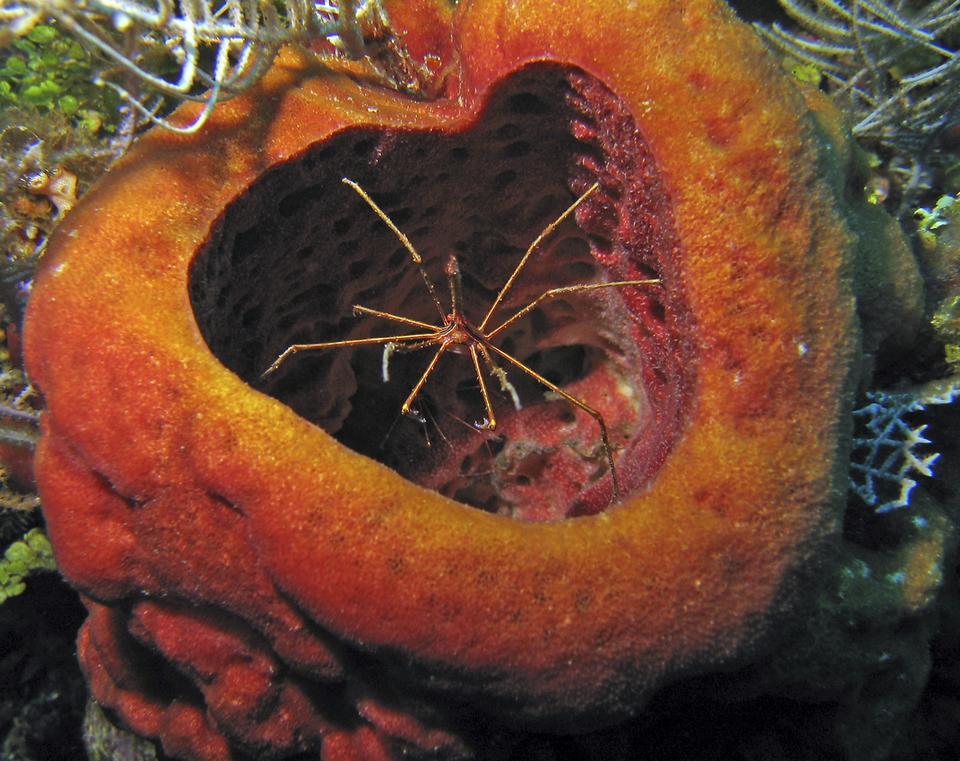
(560, 291)
(405, 409)
(417, 345)
(546, 231)
(295, 348)
(403, 239)
(604, 438)
(491, 422)
(358, 309)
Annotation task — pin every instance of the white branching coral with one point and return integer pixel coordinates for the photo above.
(890, 58)
(885, 455)
(199, 50)
(893, 65)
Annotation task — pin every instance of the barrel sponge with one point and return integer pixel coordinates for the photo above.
(283, 566)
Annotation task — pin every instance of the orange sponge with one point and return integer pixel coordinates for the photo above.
(234, 533)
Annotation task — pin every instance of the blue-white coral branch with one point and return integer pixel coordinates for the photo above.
(885, 456)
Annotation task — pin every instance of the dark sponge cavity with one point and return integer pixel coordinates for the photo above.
(289, 260)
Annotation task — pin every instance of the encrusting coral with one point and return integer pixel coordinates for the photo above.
(939, 233)
(257, 586)
(21, 558)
